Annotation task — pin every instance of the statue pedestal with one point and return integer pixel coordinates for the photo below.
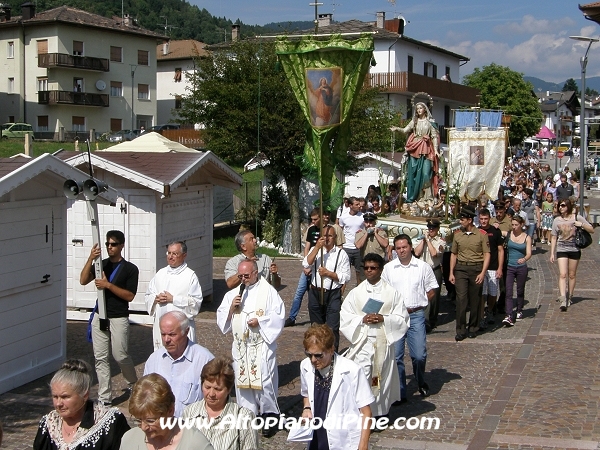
(415, 227)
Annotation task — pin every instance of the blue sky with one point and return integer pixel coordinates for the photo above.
(529, 36)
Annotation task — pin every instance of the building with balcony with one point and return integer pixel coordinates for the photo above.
(405, 66)
(561, 112)
(67, 70)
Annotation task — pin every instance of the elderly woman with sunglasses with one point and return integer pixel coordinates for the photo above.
(334, 387)
(567, 253)
(78, 422)
(151, 401)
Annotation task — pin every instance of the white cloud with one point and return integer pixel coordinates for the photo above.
(551, 57)
(530, 25)
(590, 30)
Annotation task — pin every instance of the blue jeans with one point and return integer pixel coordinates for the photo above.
(303, 284)
(417, 347)
(531, 229)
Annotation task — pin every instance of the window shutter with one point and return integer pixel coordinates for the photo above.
(42, 47)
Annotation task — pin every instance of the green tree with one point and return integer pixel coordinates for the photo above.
(591, 92)
(570, 85)
(505, 89)
(247, 107)
(371, 120)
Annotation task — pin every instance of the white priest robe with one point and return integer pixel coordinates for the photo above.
(182, 283)
(372, 345)
(260, 301)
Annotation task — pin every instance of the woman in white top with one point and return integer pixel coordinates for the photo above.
(333, 386)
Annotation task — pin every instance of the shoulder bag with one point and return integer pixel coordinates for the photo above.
(583, 239)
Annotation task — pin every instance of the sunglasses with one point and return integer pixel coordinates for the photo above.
(315, 355)
(369, 220)
(246, 275)
(112, 244)
(562, 205)
(371, 267)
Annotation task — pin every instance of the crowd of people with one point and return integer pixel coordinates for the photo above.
(394, 304)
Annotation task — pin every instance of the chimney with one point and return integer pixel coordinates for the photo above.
(5, 12)
(381, 19)
(235, 32)
(325, 19)
(165, 48)
(28, 10)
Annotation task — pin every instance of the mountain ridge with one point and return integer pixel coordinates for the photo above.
(540, 85)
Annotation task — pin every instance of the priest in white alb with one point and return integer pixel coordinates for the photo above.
(174, 288)
(255, 314)
(373, 319)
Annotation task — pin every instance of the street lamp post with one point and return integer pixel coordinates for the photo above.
(558, 131)
(582, 128)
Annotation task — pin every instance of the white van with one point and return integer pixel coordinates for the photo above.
(531, 146)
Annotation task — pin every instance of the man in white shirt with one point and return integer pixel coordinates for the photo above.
(330, 271)
(179, 360)
(174, 288)
(416, 282)
(351, 223)
(254, 315)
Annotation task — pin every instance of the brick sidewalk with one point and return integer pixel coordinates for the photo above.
(535, 385)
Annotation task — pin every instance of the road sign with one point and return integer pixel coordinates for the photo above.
(560, 152)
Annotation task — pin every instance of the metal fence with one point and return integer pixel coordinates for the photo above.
(247, 202)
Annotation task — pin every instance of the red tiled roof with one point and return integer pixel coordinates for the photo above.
(74, 16)
(184, 49)
(591, 11)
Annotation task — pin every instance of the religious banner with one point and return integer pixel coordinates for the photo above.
(476, 162)
(325, 76)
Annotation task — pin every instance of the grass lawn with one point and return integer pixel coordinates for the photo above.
(10, 147)
(226, 247)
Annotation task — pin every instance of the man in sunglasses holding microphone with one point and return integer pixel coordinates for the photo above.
(254, 314)
(119, 281)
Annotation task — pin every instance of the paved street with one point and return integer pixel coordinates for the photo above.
(535, 385)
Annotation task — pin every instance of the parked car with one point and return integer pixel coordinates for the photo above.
(167, 126)
(16, 130)
(122, 136)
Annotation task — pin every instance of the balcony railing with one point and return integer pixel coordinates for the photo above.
(76, 62)
(398, 82)
(72, 98)
(393, 82)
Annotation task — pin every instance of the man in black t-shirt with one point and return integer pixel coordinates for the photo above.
(564, 190)
(494, 271)
(119, 281)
